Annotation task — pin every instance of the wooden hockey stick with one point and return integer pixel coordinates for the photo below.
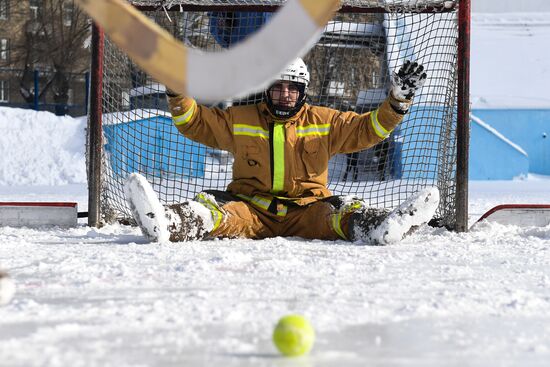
(211, 77)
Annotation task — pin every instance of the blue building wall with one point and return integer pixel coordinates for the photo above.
(230, 28)
(152, 146)
(493, 156)
(529, 128)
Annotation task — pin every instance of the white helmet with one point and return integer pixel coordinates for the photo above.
(297, 73)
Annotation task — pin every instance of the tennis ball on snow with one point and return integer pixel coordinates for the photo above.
(293, 336)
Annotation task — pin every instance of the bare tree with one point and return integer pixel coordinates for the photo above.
(52, 37)
(346, 59)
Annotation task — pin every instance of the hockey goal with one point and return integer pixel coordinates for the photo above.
(130, 129)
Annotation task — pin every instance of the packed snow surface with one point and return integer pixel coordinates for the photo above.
(106, 297)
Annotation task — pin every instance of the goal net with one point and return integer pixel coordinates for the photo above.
(350, 64)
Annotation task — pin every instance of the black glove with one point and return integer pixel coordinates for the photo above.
(408, 80)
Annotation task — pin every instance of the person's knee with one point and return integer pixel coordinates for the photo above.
(240, 220)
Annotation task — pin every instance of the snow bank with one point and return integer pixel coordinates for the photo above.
(40, 148)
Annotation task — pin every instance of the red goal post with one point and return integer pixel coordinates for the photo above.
(350, 66)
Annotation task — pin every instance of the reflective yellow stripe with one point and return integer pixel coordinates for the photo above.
(264, 203)
(278, 158)
(261, 202)
(217, 215)
(336, 225)
(337, 217)
(321, 130)
(250, 130)
(256, 200)
(378, 128)
(186, 117)
(282, 212)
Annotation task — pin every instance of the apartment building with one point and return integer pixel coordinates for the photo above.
(42, 48)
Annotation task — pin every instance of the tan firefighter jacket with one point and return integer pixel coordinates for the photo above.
(284, 159)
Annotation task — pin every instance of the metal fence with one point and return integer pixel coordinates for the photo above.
(17, 89)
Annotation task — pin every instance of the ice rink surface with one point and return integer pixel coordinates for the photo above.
(105, 297)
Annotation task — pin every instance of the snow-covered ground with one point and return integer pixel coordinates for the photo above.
(105, 297)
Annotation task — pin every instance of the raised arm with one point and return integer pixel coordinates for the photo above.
(210, 126)
(353, 132)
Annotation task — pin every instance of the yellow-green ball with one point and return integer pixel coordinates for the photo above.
(293, 336)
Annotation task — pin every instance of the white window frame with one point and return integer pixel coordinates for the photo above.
(5, 49)
(34, 7)
(68, 11)
(70, 95)
(4, 9)
(4, 91)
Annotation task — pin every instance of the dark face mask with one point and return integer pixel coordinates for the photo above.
(285, 112)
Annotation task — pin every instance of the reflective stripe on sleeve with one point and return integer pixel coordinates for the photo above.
(250, 130)
(186, 117)
(378, 128)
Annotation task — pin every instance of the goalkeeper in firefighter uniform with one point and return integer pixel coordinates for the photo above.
(281, 150)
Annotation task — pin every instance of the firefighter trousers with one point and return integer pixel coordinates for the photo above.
(327, 219)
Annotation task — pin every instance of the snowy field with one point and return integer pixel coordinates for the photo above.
(104, 297)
